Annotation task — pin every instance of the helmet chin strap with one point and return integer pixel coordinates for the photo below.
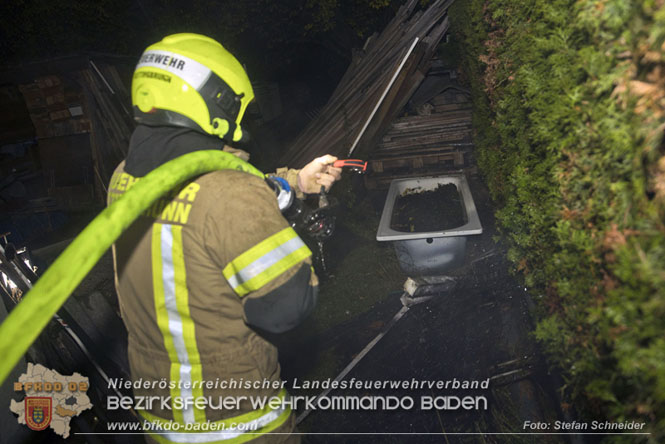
(244, 135)
(229, 131)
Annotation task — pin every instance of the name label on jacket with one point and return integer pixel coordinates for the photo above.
(173, 207)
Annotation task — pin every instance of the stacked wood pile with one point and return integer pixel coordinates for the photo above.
(79, 109)
(378, 83)
(436, 139)
(55, 110)
(109, 110)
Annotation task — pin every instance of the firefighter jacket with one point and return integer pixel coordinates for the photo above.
(194, 275)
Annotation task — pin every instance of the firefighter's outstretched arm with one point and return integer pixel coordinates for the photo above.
(319, 172)
(309, 180)
(262, 258)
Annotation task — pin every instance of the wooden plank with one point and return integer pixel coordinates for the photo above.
(382, 172)
(110, 129)
(395, 98)
(417, 161)
(439, 109)
(433, 128)
(355, 95)
(405, 151)
(446, 98)
(401, 98)
(449, 116)
(442, 131)
(427, 139)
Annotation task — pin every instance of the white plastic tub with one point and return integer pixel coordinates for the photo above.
(430, 252)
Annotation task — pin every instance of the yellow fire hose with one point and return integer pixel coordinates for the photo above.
(40, 304)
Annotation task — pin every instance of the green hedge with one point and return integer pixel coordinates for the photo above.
(569, 97)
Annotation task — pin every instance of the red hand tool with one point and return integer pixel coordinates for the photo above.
(356, 165)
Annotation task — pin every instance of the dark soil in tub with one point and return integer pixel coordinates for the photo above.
(433, 210)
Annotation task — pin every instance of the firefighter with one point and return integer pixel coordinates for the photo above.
(213, 263)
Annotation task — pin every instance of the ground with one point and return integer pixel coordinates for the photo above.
(475, 331)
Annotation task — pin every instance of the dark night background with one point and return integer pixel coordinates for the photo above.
(294, 39)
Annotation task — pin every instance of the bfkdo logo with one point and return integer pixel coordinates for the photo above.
(38, 411)
(51, 399)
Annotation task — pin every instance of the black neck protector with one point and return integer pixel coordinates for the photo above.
(152, 146)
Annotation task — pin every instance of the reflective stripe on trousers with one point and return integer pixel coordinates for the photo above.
(245, 427)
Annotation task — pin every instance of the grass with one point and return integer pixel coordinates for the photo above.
(362, 274)
(364, 271)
